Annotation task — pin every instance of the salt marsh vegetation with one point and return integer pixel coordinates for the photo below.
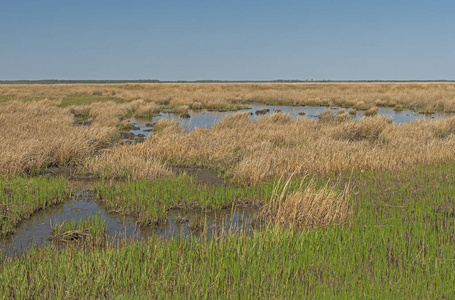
(343, 209)
(88, 232)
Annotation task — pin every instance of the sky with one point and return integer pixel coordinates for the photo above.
(227, 40)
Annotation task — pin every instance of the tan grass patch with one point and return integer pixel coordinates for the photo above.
(365, 129)
(38, 134)
(119, 163)
(425, 97)
(308, 206)
(251, 152)
(372, 111)
(166, 126)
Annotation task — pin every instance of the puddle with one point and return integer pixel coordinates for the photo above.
(182, 223)
(209, 119)
(36, 230)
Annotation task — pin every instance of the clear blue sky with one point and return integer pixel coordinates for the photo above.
(227, 40)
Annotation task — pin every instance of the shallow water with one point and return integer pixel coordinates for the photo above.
(36, 230)
(209, 119)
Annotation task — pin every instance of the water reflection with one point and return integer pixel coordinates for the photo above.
(209, 119)
(37, 229)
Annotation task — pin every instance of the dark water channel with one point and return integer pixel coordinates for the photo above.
(209, 119)
(36, 230)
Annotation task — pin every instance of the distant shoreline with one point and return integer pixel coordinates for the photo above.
(55, 81)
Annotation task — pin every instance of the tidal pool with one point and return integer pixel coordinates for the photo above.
(180, 224)
(209, 119)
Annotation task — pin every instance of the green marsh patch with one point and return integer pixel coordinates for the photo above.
(152, 200)
(20, 197)
(399, 244)
(90, 231)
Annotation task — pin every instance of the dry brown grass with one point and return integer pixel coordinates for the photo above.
(268, 147)
(167, 126)
(425, 97)
(118, 163)
(372, 111)
(328, 116)
(308, 206)
(38, 134)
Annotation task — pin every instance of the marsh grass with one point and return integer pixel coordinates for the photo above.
(88, 232)
(39, 134)
(368, 129)
(83, 100)
(121, 165)
(434, 96)
(398, 242)
(36, 135)
(306, 206)
(329, 116)
(399, 245)
(21, 197)
(167, 126)
(150, 201)
(372, 111)
(253, 152)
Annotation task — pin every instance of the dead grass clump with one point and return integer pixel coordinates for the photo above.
(179, 109)
(107, 113)
(276, 118)
(120, 163)
(308, 206)
(167, 126)
(372, 111)
(79, 111)
(196, 106)
(35, 135)
(216, 104)
(444, 128)
(329, 117)
(144, 109)
(251, 152)
(365, 129)
(361, 105)
(233, 121)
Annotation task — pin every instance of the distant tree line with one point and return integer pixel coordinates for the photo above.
(56, 81)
